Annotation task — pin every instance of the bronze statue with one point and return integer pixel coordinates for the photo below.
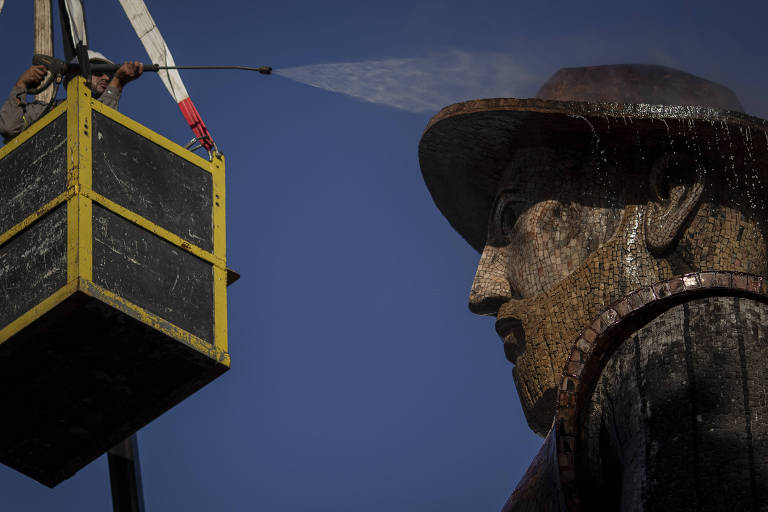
(622, 222)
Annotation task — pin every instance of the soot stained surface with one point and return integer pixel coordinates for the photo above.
(33, 265)
(153, 273)
(33, 174)
(141, 176)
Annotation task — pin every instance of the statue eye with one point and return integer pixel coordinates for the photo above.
(508, 220)
(503, 220)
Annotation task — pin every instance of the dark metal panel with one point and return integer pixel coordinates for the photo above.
(33, 265)
(152, 273)
(82, 378)
(33, 174)
(153, 182)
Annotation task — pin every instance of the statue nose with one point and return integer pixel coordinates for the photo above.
(490, 289)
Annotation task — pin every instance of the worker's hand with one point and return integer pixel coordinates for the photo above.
(32, 77)
(127, 72)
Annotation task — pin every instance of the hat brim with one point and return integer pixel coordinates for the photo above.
(466, 147)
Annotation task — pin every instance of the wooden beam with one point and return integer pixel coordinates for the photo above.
(43, 38)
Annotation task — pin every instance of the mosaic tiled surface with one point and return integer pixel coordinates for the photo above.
(595, 218)
(555, 259)
(567, 238)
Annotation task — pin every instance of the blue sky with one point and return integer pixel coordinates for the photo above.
(359, 380)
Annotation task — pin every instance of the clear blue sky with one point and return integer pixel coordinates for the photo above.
(359, 380)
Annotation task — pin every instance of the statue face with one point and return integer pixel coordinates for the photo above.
(567, 238)
(548, 217)
(553, 212)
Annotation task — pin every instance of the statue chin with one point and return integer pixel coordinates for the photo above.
(539, 413)
(552, 321)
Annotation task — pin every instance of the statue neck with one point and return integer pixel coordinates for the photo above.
(676, 421)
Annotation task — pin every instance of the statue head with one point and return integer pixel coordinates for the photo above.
(613, 178)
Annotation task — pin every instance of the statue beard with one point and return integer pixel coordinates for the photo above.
(550, 323)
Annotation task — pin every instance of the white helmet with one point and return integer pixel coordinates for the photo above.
(99, 57)
(95, 57)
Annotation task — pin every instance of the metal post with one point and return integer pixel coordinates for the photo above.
(125, 476)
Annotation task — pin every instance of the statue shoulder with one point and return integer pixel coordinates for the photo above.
(539, 489)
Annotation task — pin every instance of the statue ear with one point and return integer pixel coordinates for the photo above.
(677, 182)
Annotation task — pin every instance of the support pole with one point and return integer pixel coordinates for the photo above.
(125, 476)
(44, 38)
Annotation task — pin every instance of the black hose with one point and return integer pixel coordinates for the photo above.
(52, 102)
(43, 86)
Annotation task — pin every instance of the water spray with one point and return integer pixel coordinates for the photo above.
(422, 84)
(414, 84)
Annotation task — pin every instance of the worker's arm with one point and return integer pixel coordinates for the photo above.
(127, 72)
(15, 114)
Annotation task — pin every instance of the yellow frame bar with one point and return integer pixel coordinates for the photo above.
(79, 207)
(211, 350)
(149, 134)
(34, 217)
(150, 226)
(220, 250)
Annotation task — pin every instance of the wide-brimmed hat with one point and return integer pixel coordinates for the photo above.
(625, 109)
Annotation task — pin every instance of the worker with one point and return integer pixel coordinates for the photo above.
(16, 115)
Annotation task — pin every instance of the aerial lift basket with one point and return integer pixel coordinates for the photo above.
(112, 280)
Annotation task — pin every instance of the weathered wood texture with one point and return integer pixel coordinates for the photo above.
(152, 273)
(151, 181)
(44, 38)
(678, 417)
(33, 265)
(33, 174)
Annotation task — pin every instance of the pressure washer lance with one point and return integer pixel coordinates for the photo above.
(111, 68)
(59, 68)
